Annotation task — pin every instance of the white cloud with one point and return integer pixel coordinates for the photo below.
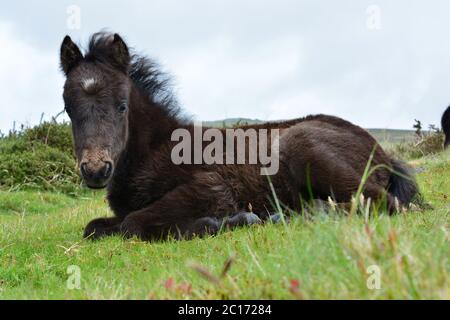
(219, 78)
(29, 81)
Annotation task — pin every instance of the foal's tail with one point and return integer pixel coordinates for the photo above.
(403, 185)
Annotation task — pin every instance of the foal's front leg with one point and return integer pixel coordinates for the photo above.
(101, 227)
(135, 226)
(194, 208)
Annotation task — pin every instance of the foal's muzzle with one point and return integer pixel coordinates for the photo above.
(96, 176)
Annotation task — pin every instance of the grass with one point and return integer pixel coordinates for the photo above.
(323, 257)
(37, 202)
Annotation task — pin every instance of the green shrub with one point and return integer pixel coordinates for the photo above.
(429, 143)
(39, 158)
(55, 135)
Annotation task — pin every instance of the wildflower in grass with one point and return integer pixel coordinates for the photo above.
(169, 284)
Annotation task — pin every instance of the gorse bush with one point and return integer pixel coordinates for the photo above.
(52, 134)
(41, 158)
(426, 144)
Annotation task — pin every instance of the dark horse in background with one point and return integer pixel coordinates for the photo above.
(445, 124)
(123, 117)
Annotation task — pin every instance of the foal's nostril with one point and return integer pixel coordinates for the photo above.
(108, 169)
(96, 176)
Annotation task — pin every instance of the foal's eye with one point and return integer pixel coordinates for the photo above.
(122, 108)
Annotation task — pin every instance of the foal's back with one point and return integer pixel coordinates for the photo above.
(329, 155)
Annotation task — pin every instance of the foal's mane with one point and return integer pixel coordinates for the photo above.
(143, 71)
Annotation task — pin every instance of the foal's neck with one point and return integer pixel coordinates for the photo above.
(149, 124)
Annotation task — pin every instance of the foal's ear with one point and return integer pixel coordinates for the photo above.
(70, 55)
(120, 54)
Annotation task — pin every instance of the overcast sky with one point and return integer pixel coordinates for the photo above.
(380, 64)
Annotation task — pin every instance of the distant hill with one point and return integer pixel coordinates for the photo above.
(381, 135)
(392, 135)
(230, 122)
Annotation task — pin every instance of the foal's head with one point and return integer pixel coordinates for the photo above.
(96, 95)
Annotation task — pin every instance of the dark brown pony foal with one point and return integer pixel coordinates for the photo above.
(123, 118)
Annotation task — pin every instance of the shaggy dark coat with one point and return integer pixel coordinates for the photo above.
(123, 116)
(445, 124)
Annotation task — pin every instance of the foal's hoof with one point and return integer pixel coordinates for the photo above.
(204, 226)
(242, 219)
(251, 218)
(95, 229)
(276, 218)
(90, 232)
